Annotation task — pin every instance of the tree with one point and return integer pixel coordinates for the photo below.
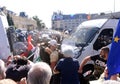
(40, 24)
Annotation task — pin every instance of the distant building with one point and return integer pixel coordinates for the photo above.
(24, 23)
(21, 20)
(67, 22)
(71, 22)
(107, 15)
(23, 14)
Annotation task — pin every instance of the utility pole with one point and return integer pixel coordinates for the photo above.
(114, 7)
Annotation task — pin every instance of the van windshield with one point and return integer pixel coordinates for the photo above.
(83, 36)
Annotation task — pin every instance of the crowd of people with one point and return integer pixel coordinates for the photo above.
(44, 63)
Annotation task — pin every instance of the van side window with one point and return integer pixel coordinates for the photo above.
(103, 39)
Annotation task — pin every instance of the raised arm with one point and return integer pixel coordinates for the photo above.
(84, 61)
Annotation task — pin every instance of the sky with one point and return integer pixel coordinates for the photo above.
(45, 8)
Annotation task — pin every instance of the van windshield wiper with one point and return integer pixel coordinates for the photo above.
(86, 43)
(80, 44)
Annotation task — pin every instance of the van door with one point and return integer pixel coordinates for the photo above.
(104, 39)
(4, 44)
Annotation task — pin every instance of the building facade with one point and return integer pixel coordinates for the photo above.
(24, 22)
(67, 22)
(20, 21)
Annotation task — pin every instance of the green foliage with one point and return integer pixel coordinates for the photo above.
(40, 24)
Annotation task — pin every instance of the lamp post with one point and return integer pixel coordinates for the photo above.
(114, 7)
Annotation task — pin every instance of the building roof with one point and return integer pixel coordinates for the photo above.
(57, 16)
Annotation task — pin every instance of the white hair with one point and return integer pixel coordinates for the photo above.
(40, 73)
(67, 52)
(7, 81)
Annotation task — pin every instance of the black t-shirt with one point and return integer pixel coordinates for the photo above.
(99, 66)
(99, 61)
(45, 57)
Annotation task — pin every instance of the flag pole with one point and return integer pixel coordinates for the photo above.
(114, 6)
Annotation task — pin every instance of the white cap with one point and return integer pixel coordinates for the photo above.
(68, 52)
(45, 36)
(53, 42)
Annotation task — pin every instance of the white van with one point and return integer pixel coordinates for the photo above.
(90, 36)
(4, 43)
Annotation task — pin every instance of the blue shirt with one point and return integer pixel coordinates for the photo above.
(68, 67)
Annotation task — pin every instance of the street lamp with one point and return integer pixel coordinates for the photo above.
(114, 6)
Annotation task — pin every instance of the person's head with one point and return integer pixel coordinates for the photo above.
(45, 38)
(53, 44)
(20, 60)
(104, 52)
(16, 73)
(40, 73)
(7, 81)
(2, 69)
(68, 52)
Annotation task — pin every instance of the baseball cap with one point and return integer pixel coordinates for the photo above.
(53, 42)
